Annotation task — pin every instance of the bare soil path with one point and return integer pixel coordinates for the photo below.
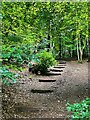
(42, 99)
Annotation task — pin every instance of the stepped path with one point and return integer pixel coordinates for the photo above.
(46, 96)
(47, 83)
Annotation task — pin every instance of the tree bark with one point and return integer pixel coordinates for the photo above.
(81, 51)
(78, 51)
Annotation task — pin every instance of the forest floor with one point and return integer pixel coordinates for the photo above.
(71, 86)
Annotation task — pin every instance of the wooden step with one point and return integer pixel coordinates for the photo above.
(26, 109)
(47, 80)
(41, 91)
(55, 70)
(59, 66)
(62, 62)
(53, 73)
(26, 118)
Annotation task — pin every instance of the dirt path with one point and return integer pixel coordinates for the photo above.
(70, 86)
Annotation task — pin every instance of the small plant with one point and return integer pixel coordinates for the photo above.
(17, 54)
(11, 54)
(43, 61)
(7, 77)
(80, 110)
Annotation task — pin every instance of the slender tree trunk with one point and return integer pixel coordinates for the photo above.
(81, 54)
(49, 42)
(71, 52)
(60, 48)
(49, 37)
(81, 51)
(51, 46)
(78, 51)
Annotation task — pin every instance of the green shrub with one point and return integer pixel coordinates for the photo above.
(11, 54)
(7, 77)
(17, 54)
(45, 61)
(80, 110)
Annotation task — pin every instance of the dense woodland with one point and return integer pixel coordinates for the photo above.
(60, 27)
(36, 30)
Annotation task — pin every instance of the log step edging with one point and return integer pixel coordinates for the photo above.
(53, 73)
(59, 67)
(62, 62)
(26, 109)
(41, 91)
(56, 70)
(46, 80)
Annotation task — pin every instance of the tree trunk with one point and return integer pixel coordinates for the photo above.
(48, 37)
(78, 51)
(81, 51)
(49, 42)
(71, 52)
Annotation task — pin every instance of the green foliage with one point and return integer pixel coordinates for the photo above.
(65, 23)
(42, 60)
(43, 44)
(80, 110)
(17, 54)
(7, 77)
(12, 54)
(45, 61)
